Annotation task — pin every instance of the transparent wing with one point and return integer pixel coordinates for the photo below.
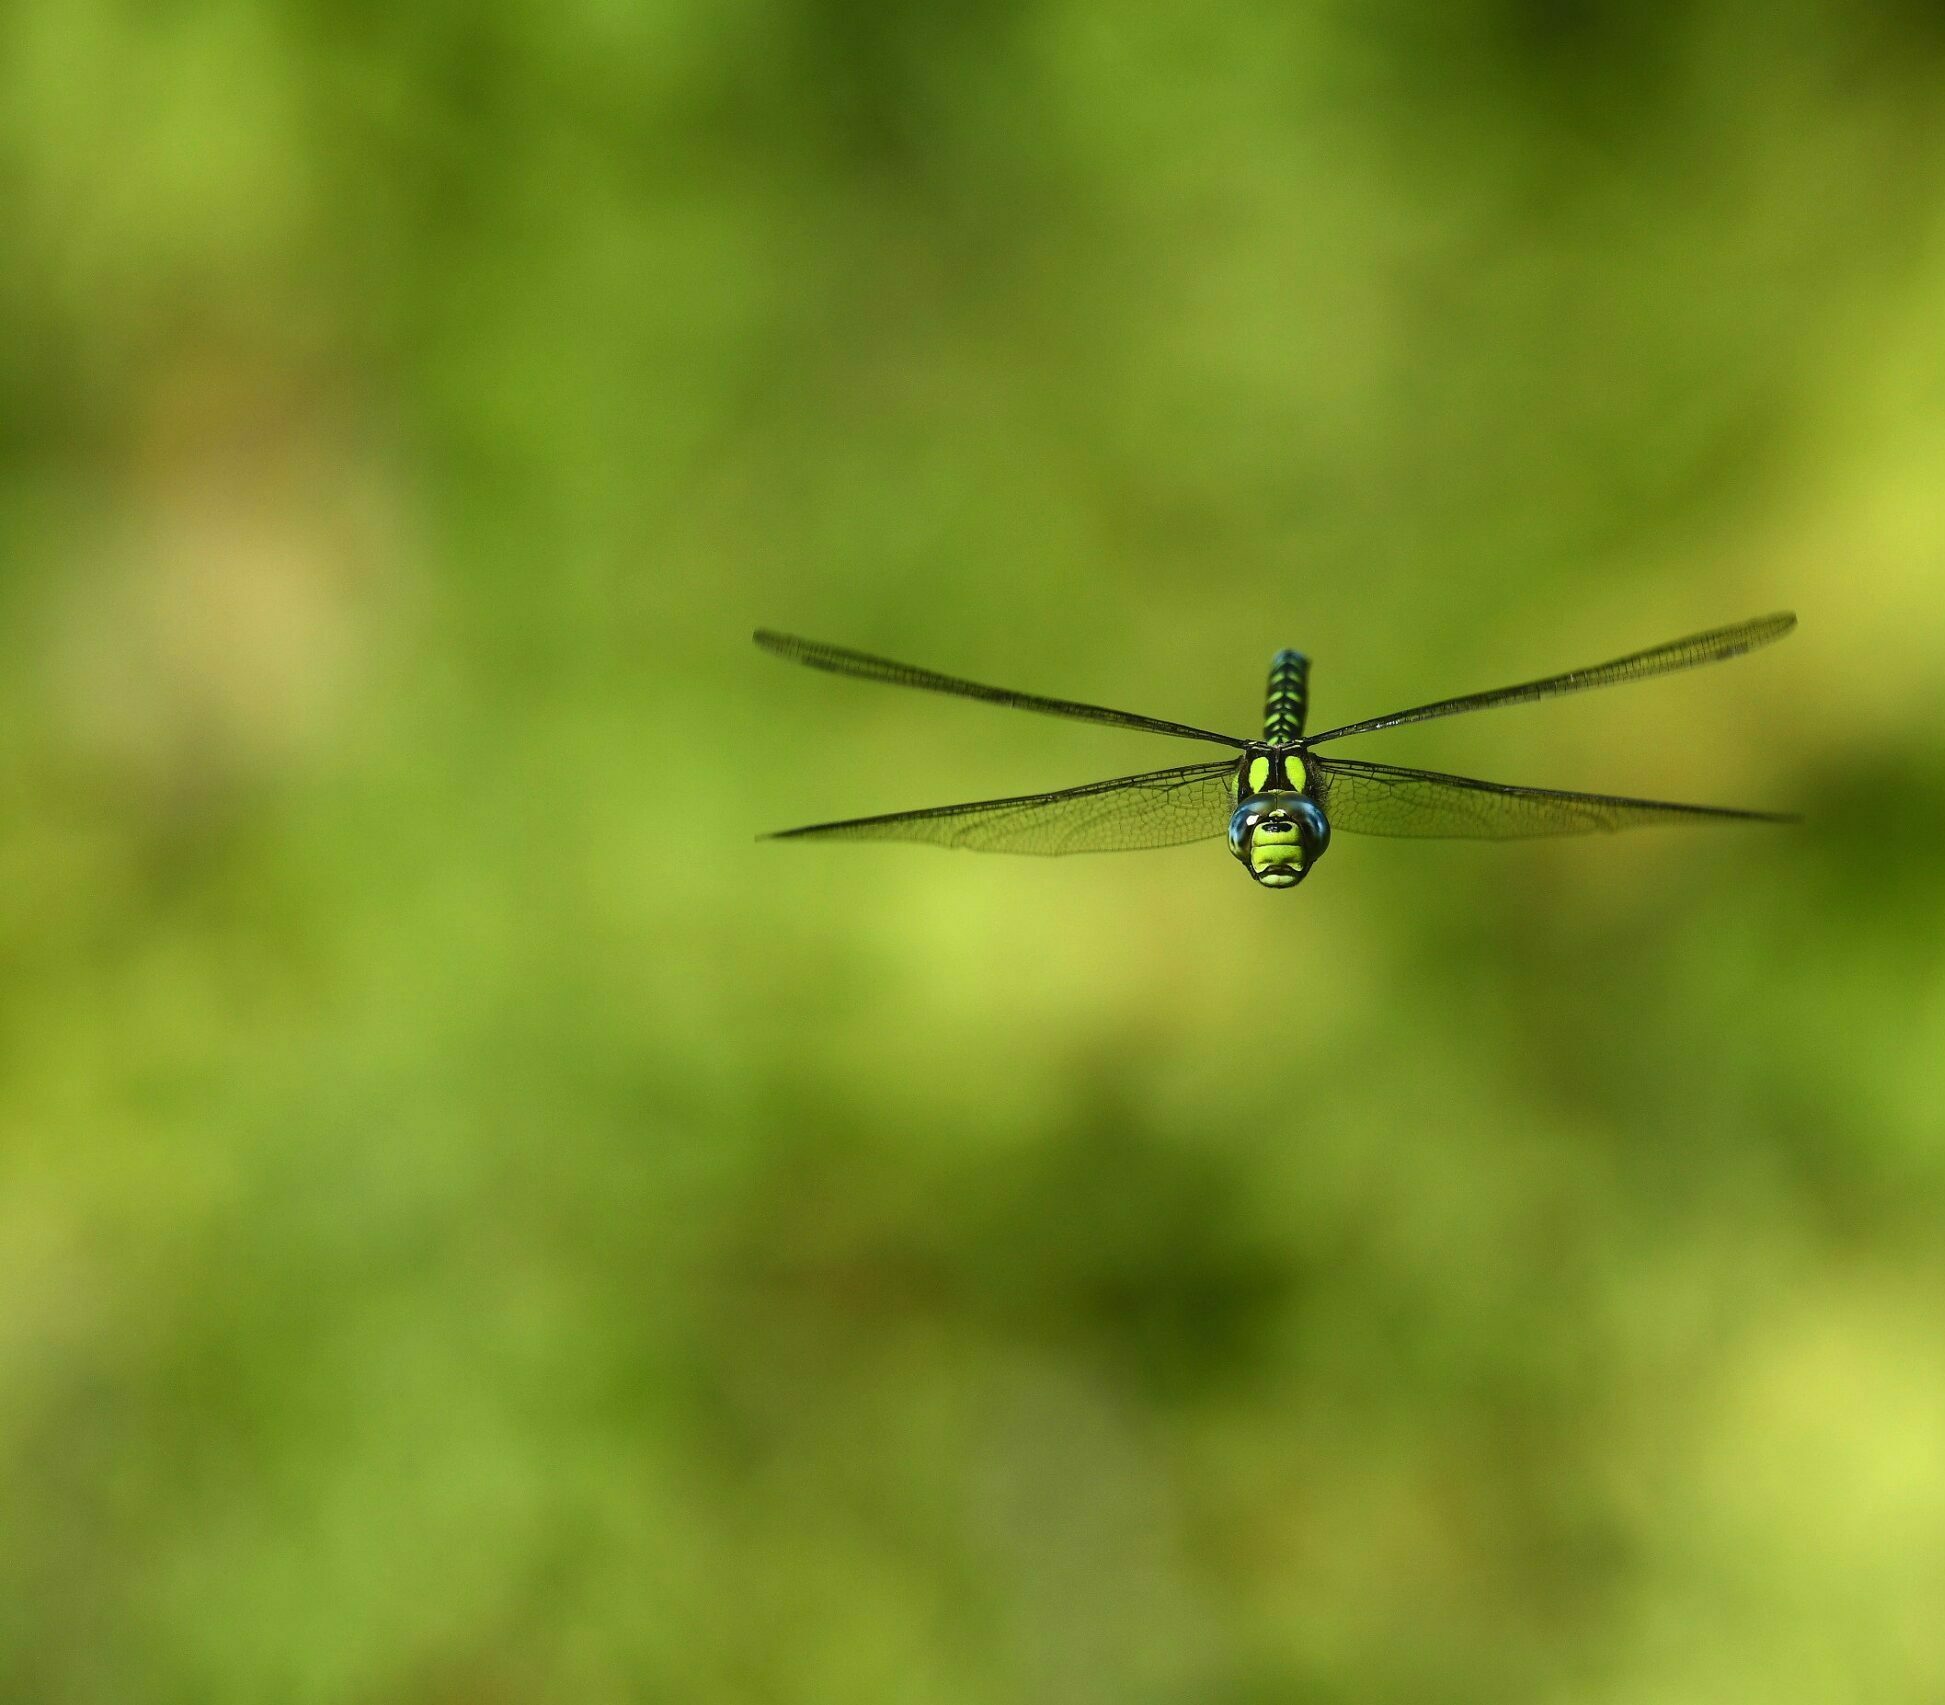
(1160, 809)
(1382, 799)
(841, 662)
(1711, 647)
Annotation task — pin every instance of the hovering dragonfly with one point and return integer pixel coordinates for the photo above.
(1278, 800)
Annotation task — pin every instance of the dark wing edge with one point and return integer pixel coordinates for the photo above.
(1162, 808)
(1384, 799)
(1715, 646)
(838, 661)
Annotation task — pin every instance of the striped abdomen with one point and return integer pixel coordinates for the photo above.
(1283, 711)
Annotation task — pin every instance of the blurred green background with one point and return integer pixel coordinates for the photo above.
(477, 1227)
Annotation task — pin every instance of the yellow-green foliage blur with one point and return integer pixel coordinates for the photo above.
(476, 1226)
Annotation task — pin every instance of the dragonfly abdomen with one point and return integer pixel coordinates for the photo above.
(1288, 698)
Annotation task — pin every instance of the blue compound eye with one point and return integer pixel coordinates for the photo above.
(1242, 823)
(1312, 825)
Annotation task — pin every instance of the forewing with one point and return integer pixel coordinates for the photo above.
(1162, 808)
(838, 661)
(1711, 647)
(1383, 799)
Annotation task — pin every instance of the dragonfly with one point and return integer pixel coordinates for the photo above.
(1277, 799)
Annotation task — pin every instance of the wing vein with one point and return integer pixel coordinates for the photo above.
(1715, 646)
(1158, 808)
(838, 661)
(1388, 799)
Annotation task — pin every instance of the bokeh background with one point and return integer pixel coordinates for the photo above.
(477, 1227)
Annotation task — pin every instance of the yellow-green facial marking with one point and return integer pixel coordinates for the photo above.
(1276, 855)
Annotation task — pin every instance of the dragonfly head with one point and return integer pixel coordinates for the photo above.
(1278, 837)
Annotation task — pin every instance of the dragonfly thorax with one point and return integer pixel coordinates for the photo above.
(1277, 831)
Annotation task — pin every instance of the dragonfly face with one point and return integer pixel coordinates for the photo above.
(1277, 832)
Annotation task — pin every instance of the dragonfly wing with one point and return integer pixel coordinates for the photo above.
(1383, 799)
(1162, 808)
(838, 661)
(1711, 647)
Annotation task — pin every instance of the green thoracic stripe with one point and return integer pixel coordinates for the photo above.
(1286, 701)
